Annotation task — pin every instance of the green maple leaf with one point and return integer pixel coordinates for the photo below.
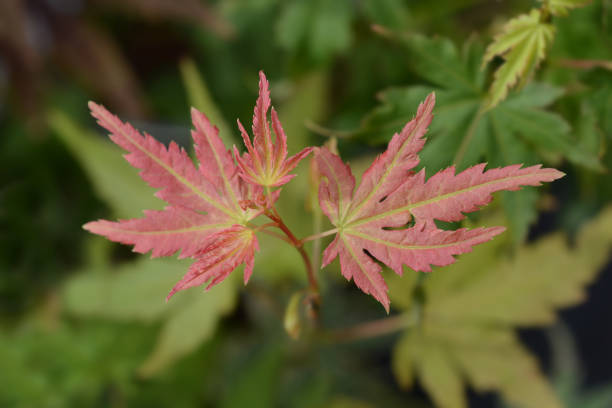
(470, 310)
(518, 130)
(317, 28)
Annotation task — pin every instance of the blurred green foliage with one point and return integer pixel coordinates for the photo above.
(83, 322)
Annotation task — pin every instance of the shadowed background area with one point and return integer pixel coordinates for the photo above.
(523, 320)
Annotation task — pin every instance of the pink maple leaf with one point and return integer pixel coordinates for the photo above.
(265, 163)
(206, 219)
(372, 220)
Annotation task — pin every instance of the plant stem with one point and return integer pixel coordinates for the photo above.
(316, 245)
(369, 329)
(312, 280)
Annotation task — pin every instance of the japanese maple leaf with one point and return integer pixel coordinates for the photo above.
(265, 163)
(372, 220)
(206, 218)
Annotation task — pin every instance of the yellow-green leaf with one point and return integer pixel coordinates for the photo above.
(470, 310)
(546, 276)
(185, 329)
(522, 43)
(136, 291)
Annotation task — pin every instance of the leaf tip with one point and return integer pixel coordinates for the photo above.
(264, 89)
(97, 110)
(172, 292)
(430, 101)
(557, 174)
(194, 112)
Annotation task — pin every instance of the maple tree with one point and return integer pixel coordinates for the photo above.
(212, 206)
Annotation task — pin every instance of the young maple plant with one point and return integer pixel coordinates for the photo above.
(389, 217)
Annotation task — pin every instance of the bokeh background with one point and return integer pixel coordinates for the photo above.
(84, 323)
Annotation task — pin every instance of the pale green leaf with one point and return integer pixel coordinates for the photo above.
(444, 355)
(136, 291)
(471, 308)
(437, 373)
(115, 181)
(415, 353)
(200, 98)
(189, 326)
(548, 275)
(523, 44)
(493, 359)
(131, 291)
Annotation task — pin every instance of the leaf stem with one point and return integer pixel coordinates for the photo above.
(317, 236)
(368, 330)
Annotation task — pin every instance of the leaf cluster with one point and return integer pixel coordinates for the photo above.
(517, 130)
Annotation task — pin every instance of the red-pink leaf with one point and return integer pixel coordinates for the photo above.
(336, 189)
(216, 162)
(265, 163)
(207, 217)
(228, 249)
(170, 168)
(390, 169)
(163, 232)
(446, 196)
(372, 219)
